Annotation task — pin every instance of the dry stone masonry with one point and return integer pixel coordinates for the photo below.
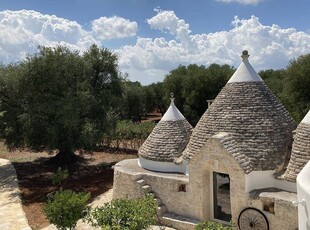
(245, 136)
(167, 141)
(259, 123)
(301, 150)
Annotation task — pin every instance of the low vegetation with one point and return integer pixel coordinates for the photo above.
(65, 208)
(128, 134)
(125, 214)
(59, 177)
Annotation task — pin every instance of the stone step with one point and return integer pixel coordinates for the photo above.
(161, 209)
(158, 201)
(152, 194)
(178, 222)
(146, 188)
(141, 182)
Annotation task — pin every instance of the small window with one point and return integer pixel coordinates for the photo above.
(269, 206)
(182, 188)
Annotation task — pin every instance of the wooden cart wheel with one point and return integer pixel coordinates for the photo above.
(252, 219)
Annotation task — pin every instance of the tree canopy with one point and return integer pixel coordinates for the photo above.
(59, 99)
(194, 85)
(298, 72)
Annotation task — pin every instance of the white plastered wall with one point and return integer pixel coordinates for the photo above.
(303, 196)
(265, 179)
(159, 166)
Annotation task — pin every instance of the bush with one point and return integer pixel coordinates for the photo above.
(125, 214)
(66, 208)
(59, 177)
(210, 225)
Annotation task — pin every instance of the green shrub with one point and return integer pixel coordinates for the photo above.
(125, 214)
(66, 208)
(59, 177)
(210, 225)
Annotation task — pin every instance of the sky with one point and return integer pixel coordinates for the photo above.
(153, 37)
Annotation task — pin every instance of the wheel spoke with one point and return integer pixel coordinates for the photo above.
(252, 219)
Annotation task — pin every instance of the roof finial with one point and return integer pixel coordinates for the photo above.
(172, 96)
(245, 55)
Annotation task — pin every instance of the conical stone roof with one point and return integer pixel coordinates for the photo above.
(260, 127)
(169, 137)
(300, 151)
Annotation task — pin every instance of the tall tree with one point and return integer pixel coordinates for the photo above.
(298, 72)
(153, 94)
(64, 101)
(10, 98)
(194, 85)
(133, 101)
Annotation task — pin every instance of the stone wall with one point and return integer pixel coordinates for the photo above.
(214, 158)
(300, 152)
(191, 196)
(169, 187)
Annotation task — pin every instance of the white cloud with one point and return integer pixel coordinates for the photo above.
(114, 27)
(22, 31)
(269, 46)
(168, 22)
(245, 2)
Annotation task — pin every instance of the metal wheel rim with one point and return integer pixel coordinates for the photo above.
(252, 219)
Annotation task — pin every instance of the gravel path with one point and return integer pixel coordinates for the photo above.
(12, 216)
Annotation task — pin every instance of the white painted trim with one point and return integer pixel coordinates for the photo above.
(159, 166)
(245, 73)
(286, 185)
(264, 179)
(172, 114)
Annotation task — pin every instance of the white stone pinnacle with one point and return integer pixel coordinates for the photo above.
(172, 113)
(306, 119)
(245, 72)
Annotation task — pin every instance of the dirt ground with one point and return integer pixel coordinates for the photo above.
(94, 174)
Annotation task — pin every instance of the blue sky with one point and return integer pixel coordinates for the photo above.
(152, 37)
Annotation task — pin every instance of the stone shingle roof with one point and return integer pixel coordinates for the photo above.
(259, 124)
(169, 137)
(230, 142)
(301, 150)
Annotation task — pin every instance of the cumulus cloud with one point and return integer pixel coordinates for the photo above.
(168, 22)
(22, 31)
(270, 46)
(114, 27)
(245, 2)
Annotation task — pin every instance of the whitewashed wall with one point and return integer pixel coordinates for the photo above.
(265, 179)
(303, 193)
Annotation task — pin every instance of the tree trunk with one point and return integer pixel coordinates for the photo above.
(64, 158)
